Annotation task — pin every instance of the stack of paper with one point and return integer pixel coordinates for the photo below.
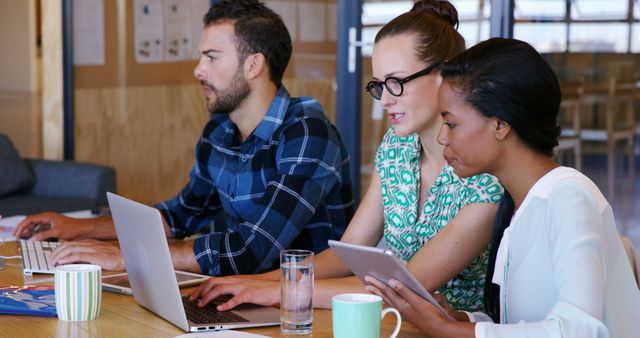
(7, 224)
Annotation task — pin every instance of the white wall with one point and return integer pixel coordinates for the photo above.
(17, 45)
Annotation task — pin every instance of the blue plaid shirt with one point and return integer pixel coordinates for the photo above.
(286, 186)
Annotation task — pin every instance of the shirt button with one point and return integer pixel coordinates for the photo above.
(243, 158)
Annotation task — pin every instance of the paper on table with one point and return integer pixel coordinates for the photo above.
(11, 221)
(80, 214)
(7, 224)
(221, 334)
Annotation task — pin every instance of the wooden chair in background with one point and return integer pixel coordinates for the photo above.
(569, 142)
(612, 107)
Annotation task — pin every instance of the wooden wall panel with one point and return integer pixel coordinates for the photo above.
(21, 119)
(147, 133)
(320, 89)
(18, 39)
(52, 128)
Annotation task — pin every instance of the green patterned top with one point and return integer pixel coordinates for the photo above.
(398, 163)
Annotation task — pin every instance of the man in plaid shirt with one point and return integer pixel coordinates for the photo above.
(270, 173)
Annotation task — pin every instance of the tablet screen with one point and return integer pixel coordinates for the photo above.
(381, 265)
(118, 280)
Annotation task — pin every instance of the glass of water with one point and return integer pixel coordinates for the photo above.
(296, 291)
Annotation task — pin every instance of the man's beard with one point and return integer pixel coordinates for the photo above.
(227, 100)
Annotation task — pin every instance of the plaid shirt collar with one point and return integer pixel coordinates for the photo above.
(273, 118)
(275, 114)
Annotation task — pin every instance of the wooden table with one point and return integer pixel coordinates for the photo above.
(120, 316)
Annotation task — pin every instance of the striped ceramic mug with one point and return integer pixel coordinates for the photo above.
(78, 291)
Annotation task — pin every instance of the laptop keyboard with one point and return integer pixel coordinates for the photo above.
(35, 256)
(209, 314)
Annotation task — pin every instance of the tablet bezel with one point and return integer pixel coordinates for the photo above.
(382, 265)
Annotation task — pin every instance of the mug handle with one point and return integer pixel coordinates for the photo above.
(398, 320)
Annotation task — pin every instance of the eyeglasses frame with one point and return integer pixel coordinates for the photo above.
(402, 81)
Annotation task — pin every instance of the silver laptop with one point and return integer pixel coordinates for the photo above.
(146, 255)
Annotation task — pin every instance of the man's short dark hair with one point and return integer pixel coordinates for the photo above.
(258, 29)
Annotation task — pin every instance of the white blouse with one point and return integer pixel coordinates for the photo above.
(562, 268)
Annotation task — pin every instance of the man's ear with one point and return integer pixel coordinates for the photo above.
(254, 64)
(502, 129)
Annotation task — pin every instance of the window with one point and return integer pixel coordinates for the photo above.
(635, 38)
(599, 37)
(540, 9)
(473, 15)
(579, 25)
(549, 37)
(599, 9)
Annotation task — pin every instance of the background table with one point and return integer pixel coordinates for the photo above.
(121, 316)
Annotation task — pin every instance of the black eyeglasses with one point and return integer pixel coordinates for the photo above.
(394, 85)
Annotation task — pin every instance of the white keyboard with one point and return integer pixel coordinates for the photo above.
(35, 256)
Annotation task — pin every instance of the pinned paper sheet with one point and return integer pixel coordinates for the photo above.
(288, 12)
(198, 9)
(177, 30)
(88, 32)
(332, 22)
(221, 334)
(312, 22)
(149, 31)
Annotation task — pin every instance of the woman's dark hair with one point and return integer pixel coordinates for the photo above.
(509, 80)
(502, 221)
(434, 22)
(258, 29)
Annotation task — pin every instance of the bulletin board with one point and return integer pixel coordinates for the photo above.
(135, 74)
(306, 41)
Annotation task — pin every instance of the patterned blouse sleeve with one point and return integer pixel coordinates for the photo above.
(483, 188)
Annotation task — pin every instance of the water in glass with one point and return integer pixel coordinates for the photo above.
(296, 292)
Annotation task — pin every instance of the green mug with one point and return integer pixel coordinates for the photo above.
(358, 315)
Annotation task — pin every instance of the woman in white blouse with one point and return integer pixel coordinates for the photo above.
(557, 267)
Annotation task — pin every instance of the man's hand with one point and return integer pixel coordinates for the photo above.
(244, 290)
(52, 225)
(106, 255)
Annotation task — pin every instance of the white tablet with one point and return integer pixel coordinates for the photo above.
(119, 283)
(382, 265)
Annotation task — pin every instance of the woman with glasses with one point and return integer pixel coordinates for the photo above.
(437, 222)
(558, 266)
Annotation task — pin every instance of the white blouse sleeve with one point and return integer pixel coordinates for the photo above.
(565, 320)
(576, 240)
(476, 317)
